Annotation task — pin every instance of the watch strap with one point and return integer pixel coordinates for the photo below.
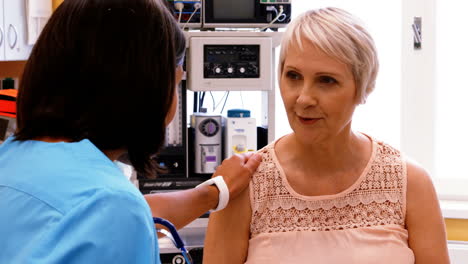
(223, 198)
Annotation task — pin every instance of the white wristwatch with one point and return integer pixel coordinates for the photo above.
(223, 191)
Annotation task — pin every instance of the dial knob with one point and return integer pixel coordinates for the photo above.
(217, 70)
(230, 70)
(241, 69)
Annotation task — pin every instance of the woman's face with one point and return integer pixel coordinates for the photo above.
(318, 93)
(172, 110)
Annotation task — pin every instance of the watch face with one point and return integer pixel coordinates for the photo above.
(209, 127)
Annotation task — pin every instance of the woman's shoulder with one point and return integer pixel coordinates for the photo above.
(385, 154)
(419, 180)
(268, 172)
(265, 149)
(413, 168)
(268, 155)
(383, 147)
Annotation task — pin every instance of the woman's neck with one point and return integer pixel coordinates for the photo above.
(340, 152)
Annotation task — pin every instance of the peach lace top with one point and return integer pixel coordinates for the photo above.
(363, 224)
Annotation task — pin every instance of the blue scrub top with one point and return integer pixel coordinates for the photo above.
(68, 203)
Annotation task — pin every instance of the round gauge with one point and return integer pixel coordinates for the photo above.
(209, 127)
(178, 259)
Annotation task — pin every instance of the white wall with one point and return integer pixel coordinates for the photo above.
(421, 120)
(418, 83)
(451, 90)
(458, 252)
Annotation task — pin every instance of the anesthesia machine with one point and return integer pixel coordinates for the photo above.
(230, 66)
(198, 139)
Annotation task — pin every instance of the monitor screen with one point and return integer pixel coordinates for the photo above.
(233, 9)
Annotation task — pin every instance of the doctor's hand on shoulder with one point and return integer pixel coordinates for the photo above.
(237, 171)
(227, 182)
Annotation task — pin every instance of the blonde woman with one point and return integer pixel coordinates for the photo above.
(326, 193)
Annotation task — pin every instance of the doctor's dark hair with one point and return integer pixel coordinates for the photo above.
(103, 70)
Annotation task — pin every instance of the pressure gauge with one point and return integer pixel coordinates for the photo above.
(209, 127)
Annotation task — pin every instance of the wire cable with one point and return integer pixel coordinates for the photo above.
(195, 102)
(179, 7)
(174, 236)
(225, 93)
(282, 17)
(274, 20)
(202, 99)
(193, 13)
(242, 99)
(212, 98)
(225, 100)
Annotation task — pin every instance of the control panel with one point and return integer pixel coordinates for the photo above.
(231, 61)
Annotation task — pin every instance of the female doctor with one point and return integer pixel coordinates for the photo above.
(100, 82)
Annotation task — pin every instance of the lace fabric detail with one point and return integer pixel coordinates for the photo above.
(361, 215)
(378, 199)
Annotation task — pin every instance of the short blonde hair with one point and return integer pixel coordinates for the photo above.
(341, 36)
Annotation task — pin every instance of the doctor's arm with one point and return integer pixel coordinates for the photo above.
(183, 207)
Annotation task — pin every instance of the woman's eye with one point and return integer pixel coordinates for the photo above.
(293, 75)
(327, 80)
